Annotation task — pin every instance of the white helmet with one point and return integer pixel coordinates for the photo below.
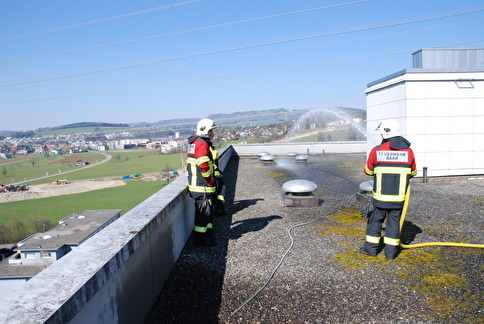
(389, 128)
(204, 126)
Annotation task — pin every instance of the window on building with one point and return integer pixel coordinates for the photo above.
(46, 255)
(30, 255)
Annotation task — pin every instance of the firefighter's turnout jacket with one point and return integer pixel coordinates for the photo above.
(200, 167)
(392, 164)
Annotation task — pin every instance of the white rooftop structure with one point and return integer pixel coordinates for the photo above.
(439, 104)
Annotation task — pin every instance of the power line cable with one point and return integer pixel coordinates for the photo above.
(185, 31)
(272, 42)
(239, 73)
(268, 52)
(100, 20)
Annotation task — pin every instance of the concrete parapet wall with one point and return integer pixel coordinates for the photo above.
(115, 276)
(224, 156)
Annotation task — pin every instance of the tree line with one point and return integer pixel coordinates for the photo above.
(17, 230)
(82, 124)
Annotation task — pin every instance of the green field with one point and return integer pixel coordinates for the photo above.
(17, 218)
(129, 163)
(22, 168)
(56, 208)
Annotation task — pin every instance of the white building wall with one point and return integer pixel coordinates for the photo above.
(440, 113)
(165, 148)
(388, 103)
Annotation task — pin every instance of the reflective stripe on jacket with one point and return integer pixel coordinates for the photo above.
(392, 170)
(199, 167)
(216, 171)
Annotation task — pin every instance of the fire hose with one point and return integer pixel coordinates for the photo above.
(405, 246)
(410, 246)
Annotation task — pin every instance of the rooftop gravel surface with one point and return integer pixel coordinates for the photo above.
(276, 264)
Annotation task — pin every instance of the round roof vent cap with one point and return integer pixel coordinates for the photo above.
(299, 186)
(366, 186)
(302, 157)
(292, 154)
(262, 154)
(267, 157)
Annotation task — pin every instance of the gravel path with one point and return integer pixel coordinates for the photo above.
(51, 190)
(323, 278)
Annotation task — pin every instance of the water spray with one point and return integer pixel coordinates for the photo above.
(323, 116)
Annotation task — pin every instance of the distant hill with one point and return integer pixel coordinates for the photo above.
(240, 118)
(83, 124)
(167, 122)
(262, 117)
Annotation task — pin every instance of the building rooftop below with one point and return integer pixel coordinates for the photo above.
(71, 230)
(16, 270)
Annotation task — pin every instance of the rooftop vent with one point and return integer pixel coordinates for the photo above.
(267, 159)
(364, 195)
(302, 159)
(260, 154)
(299, 193)
(366, 186)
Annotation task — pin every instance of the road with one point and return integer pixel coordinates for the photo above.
(107, 158)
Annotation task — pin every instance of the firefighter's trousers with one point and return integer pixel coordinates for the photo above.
(392, 231)
(203, 222)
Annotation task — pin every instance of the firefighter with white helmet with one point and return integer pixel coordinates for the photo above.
(204, 126)
(201, 180)
(389, 128)
(392, 164)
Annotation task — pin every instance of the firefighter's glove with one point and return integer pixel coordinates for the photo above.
(206, 206)
(367, 209)
(211, 181)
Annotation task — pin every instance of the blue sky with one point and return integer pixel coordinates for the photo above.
(127, 61)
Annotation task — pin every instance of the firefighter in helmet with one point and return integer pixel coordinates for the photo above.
(392, 164)
(201, 180)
